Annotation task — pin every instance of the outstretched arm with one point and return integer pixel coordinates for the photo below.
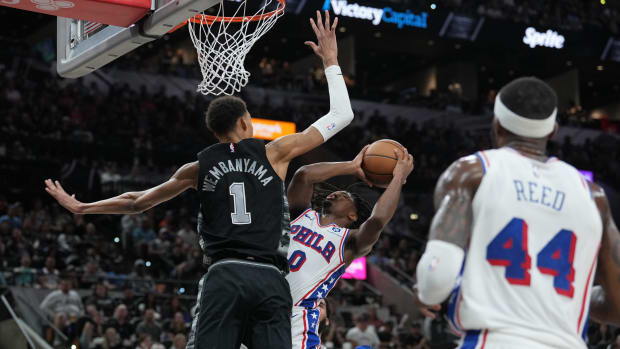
(282, 150)
(301, 187)
(605, 301)
(450, 230)
(361, 241)
(130, 202)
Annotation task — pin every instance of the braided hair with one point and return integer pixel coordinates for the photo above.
(362, 206)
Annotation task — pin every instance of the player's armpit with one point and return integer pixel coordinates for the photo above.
(606, 306)
(453, 201)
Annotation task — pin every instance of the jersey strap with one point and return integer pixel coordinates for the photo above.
(484, 161)
(301, 215)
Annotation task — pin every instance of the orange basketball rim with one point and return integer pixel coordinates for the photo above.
(209, 19)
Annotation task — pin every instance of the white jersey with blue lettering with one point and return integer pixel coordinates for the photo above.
(316, 262)
(528, 272)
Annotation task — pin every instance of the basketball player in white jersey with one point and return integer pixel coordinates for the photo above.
(326, 240)
(523, 236)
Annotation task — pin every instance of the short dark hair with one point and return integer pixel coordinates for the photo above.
(529, 97)
(223, 113)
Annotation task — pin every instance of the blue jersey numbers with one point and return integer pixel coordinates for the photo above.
(509, 249)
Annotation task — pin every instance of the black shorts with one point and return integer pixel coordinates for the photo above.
(242, 302)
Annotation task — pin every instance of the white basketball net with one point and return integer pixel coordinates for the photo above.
(223, 44)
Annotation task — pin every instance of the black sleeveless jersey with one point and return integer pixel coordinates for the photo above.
(243, 206)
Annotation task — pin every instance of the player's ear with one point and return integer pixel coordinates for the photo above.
(353, 216)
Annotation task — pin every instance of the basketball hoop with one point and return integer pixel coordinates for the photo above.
(222, 43)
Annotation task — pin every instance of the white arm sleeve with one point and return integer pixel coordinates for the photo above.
(438, 270)
(340, 113)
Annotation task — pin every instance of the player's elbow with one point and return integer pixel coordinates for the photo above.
(438, 271)
(303, 174)
(346, 114)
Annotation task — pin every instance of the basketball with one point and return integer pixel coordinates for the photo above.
(380, 160)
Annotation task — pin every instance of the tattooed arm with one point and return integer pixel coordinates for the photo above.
(449, 235)
(453, 201)
(605, 301)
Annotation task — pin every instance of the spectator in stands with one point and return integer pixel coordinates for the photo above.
(130, 301)
(177, 325)
(120, 321)
(363, 334)
(14, 215)
(373, 319)
(50, 276)
(61, 324)
(172, 307)
(110, 340)
(101, 299)
(179, 341)
(187, 234)
(95, 318)
(144, 233)
(24, 275)
(63, 300)
(148, 326)
(91, 275)
(19, 244)
(141, 281)
(145, 341)
(358, 297)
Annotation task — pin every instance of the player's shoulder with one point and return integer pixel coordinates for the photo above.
(465, 167)
(308, 213)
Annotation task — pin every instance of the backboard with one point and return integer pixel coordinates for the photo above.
(84, 46)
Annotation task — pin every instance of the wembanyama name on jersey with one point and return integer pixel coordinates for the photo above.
(243, 165)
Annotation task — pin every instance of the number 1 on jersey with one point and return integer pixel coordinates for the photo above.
(240, 215)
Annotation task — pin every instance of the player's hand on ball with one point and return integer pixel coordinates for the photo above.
(65, 200)
(404, 166)
(357, 164)
(327, 47)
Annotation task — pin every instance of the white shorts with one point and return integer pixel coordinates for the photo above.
(304, 328)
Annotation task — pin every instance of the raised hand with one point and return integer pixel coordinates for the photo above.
(65, 200)
(327, 47)
(404, 166)
(357, 163)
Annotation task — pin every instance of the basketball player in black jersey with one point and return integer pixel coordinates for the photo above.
(243, 220)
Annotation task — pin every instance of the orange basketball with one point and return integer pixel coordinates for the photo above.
(380, 160)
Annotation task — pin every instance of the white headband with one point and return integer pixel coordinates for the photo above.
(521, 126)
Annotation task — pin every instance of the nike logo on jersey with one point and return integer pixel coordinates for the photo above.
(313, 240)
